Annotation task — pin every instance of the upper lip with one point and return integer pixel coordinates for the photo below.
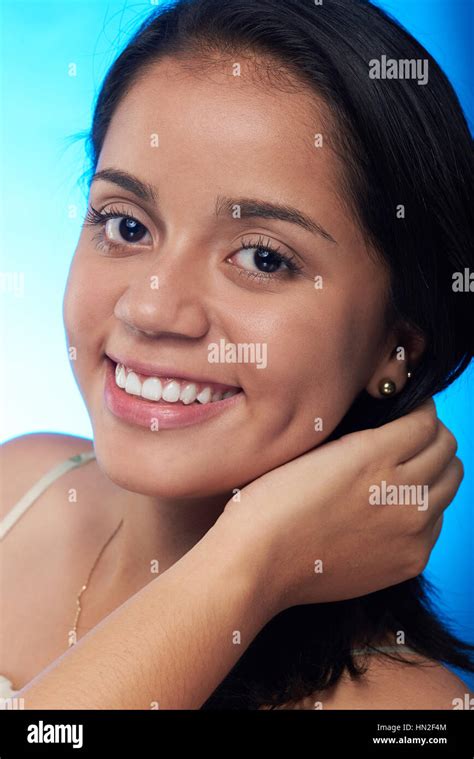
(167, 372)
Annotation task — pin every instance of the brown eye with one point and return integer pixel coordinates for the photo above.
(259, 259)
(125, 229)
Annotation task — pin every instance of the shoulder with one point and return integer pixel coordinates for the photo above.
(47, 523)
(24, 459)
(45, 445)
(40, 552)
(390, 684)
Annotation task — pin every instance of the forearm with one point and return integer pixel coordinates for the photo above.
(171, 644)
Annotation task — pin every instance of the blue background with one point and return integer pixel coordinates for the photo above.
(43, 111)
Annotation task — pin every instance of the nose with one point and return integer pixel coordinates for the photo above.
(167, 298)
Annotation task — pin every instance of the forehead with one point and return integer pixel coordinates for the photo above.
(236, 117)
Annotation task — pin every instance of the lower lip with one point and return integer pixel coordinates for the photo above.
(158, 414)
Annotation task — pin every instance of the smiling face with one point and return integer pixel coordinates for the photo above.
(196, 267)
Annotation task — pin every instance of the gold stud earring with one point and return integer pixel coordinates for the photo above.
(387, 387)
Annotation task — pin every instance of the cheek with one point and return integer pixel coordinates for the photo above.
(321, 350)
(314, 340)
(87, 310)
(88, 298)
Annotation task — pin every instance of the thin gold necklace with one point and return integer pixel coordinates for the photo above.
(72, 637)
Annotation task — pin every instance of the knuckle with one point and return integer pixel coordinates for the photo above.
(459, 468)
(452, 443)
(419, 559)
(416, 527)
(429, 425)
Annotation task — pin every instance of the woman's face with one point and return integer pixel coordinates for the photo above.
(191, 274)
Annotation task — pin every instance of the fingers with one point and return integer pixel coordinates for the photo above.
(407, 436)
(443, 491)
(426, 526)
(427, 465)
(424, 550)
(436, 530)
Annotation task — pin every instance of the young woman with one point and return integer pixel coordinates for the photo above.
(216, 544)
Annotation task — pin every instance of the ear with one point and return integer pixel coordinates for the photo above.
(402, 352)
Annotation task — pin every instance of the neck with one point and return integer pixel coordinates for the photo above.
(156, 533)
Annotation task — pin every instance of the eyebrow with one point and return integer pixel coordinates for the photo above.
(129, 182)
(248, 207)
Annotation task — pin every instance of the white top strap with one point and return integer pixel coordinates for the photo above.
(39, 487)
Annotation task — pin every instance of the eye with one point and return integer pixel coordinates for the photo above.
(118, 229)
(124, 229)
(261, 258)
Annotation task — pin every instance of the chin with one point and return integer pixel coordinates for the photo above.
(161, 479)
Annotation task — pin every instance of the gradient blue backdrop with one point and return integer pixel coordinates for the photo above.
(43, 107)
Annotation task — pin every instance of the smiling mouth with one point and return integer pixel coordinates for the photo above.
(169, 389)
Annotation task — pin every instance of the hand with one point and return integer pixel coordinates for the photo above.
(313, 520)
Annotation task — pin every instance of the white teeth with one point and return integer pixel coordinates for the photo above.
(188, 394)
(152, 389)
(133, 384)
(205, 395)
(120, 376)
(171, 391)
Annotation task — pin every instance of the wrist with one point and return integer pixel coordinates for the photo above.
(249, 565)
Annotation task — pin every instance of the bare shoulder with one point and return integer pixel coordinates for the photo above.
(44, 556)
(389, 684)
(65, 513)
(26, 458)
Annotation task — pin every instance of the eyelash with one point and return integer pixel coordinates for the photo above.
(97, 218)
(289, 261)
